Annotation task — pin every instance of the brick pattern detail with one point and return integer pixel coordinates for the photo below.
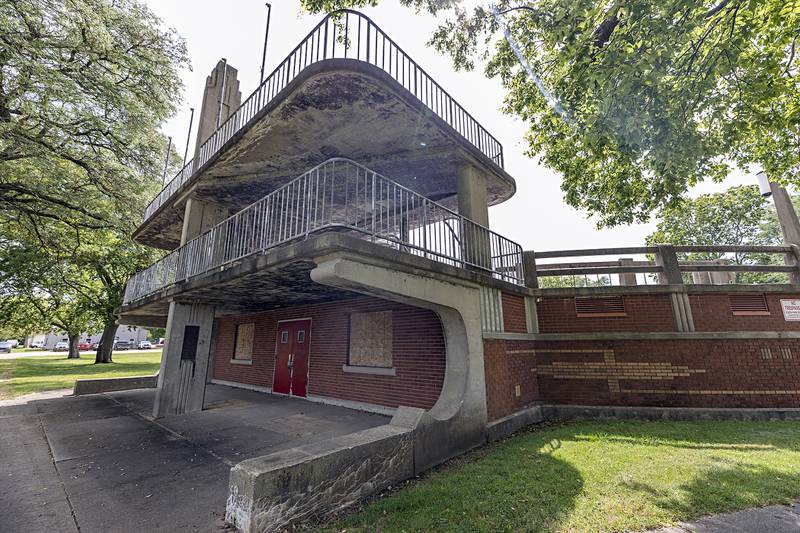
(509, 364)
(664, 373)
(712, 312)
(514, 319)
(418, 353)
(645, 312)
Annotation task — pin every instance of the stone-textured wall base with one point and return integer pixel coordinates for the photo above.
(512, 423)
(668, 413)
(314, 481)
(94, 386)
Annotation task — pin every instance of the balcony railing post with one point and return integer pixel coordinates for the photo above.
(667, 259)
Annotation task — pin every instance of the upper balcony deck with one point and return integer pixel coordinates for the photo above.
(346, 90)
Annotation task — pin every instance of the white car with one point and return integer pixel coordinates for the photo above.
(145, 345)
(37, 345)
(13, 342)
(5, 347)
(61, 346)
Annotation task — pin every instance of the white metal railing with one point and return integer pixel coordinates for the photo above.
(338, 195)
(343, 34)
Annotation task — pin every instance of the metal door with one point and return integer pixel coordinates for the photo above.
(291, 357)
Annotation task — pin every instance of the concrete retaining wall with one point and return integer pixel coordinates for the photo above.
(94, 386)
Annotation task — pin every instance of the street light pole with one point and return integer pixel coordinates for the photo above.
(266, 36)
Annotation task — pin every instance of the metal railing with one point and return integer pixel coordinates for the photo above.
(338, 195)
(698, 265)
(343, 34)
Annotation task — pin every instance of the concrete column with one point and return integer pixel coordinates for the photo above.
(472, 197)
(789, 224)
(222, 87)
(199, 217)
(529, 268)
(184, 365)
(472, 204)
(667, 259)
(627, 278)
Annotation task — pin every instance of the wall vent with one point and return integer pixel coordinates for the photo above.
(600, 306)
(749, 304)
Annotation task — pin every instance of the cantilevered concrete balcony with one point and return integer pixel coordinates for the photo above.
(263, 254)
(346, 90)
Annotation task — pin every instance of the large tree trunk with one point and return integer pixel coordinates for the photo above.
(106, 347)
(73, 346)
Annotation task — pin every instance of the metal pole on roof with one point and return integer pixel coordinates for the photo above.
(188, 137)
(166, 161)
(266, 36)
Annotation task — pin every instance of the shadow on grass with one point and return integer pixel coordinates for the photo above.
(503, 491)
(720, 489)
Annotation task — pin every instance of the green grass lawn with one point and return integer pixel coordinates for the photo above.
(50, 372)
(598, 476)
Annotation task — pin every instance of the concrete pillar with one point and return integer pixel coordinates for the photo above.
(184, 365)
(222, 86)
(472, 197)
(789, 225)
(529, 269)
(667, 259)
(473, 204)
(199, 217)
(627, 278)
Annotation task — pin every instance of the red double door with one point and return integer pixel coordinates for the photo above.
(291, 357)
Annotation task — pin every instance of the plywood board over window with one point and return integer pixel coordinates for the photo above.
(371, 339)
(243, 348)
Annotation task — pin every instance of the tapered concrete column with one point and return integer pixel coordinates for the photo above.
(184, 365)
(472, 197)
(221, 99)
(627, 278)
(199, 217)
(472, 204)
(789, 225)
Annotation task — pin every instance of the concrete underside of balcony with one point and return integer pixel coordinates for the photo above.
(281, 278)
(335, 108)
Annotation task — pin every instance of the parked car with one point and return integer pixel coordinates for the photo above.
(84, 346)
(61, 346)
(14, 342)
(96, 346)
(145, 345)
(122, 345)
(5, 347)
(36, 345)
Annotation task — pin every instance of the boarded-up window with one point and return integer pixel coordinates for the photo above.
(243, 347)
(371, 339)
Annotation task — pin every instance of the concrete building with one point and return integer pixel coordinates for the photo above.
(330, 242)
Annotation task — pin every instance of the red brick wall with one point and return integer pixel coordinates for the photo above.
(508, 364)
(514, 320)
(664, 373)
(418, 353)
(712, 312)
(645, 312)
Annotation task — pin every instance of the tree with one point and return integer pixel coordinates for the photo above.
(635, 102)
(84, 86)
(737, 216)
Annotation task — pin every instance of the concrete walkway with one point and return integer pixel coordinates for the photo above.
(772, 519)
(99, 464)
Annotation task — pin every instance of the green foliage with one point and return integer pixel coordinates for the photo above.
(657, 95)
(84, 86)
(737, 216)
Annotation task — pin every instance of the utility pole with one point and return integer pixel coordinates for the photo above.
(266, 36)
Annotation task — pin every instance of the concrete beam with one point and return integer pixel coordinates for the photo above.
(457, 422)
